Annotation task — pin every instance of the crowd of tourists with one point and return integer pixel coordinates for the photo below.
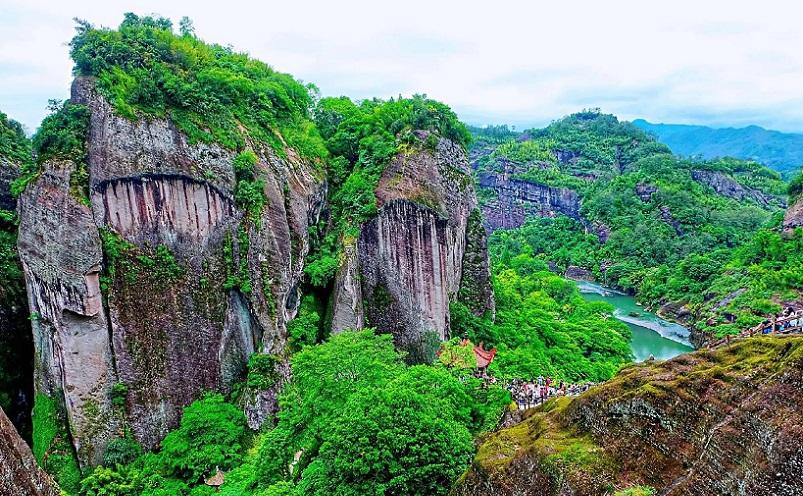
(528, 394)
(790, 319)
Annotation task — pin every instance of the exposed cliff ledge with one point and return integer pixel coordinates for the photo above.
(192, 288)
(411, 261)
(719, 422)
(727, 186)
(515, 200)
(19, 473)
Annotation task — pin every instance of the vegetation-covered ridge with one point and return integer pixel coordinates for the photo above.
(781, 151)
(651, 223)
(684, 426)
(211, 92)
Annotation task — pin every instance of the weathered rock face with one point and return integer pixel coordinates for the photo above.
(727, 186)
(721, 422)
(19, 473)
(645, 191)
(191, 287)
(515, 200)
(420, 253)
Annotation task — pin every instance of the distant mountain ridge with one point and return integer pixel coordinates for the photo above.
(781, 151)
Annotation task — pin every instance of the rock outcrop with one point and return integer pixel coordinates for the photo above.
(158, 281)
(514, 200)
(727, 186)
(793, 218)
(19, 473)
(421, 252)
(713, 422)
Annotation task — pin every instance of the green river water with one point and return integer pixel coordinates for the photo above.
(652, 335)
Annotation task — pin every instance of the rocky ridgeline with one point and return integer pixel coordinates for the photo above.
(425, 249)
(158, 284)
(793, 218)
(727, 186)
(714, 422)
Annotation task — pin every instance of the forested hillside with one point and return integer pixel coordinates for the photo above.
(696, 237)
(781, 151)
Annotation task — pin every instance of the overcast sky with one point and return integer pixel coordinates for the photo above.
(720, 63)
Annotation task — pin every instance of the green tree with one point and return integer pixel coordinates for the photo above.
(211, 435)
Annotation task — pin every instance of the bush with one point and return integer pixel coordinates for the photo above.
(121, 451)
(210, 436)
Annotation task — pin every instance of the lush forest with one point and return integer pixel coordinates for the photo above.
(16, 367)
(648, 224)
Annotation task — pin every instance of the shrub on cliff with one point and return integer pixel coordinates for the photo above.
(211, 435)
(795, 187)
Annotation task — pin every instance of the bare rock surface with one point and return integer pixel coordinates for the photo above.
(727, 186)
(515, 200)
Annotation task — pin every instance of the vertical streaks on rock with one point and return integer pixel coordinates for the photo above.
(61, 254)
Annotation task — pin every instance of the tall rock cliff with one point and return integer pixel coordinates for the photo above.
(423, 250)
(159, 285)
(714, 422)
(19, 473)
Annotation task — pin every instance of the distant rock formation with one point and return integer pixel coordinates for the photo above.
(424, 250)
(156, 282)
(713, 422)
(729, 187)
(19, 473)
(514, 200)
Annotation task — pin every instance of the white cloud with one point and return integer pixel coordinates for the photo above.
(524, 62)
